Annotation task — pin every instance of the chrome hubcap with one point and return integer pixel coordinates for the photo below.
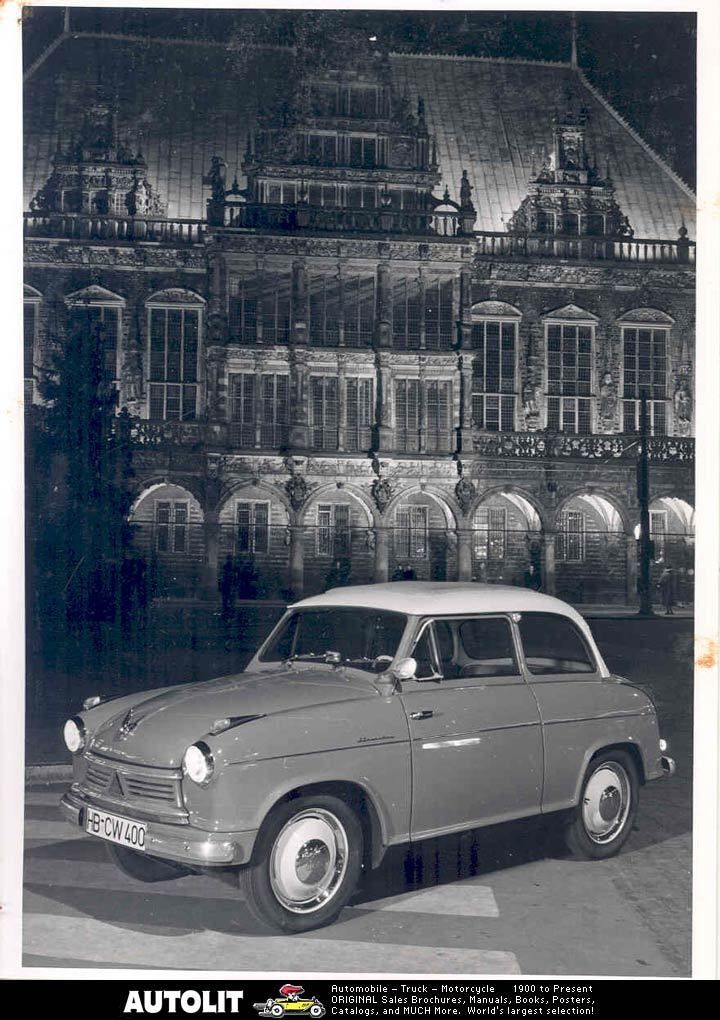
(606, 802)
(308, 860)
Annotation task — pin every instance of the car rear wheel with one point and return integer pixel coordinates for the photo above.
(142, 867)
(306, 864)
(603, 819)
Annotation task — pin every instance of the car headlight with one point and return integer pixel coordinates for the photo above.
(75, 735)
(198, 763)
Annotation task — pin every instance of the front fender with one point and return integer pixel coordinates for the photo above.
(242, 794)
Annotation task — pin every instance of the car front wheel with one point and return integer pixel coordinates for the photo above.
(142, 867)
(306, 864)
(604, 817)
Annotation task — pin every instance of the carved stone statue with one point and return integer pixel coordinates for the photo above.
(608, 396)
(297, 490)
(381, 492)
(465, 493)
(215, 179)
(530, 399)
(131, 380)
(683, 404)
(465, 190)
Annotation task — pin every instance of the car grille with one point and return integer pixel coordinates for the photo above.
(132, 785)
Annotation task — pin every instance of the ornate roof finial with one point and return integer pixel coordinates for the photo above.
(573, 44)
(683, 231)
(421, 114)
(433, 159)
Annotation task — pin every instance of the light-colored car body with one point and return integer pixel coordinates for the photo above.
(474, 742)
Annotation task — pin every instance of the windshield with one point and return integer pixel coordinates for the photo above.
(364, 638)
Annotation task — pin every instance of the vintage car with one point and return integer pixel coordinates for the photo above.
(290, 1000)
(371, 716)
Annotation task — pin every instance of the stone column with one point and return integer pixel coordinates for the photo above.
(384, 403)
(631, 570)
(421, 291)
(422, 396)
(341, 305)
(382, 553)
(549, 562)
(300, 302)
(211, 530)
(464, 553)
(297, 559)
(342, 401)
(299, 400)
(383, 329)
(258, 401)
(466, 381)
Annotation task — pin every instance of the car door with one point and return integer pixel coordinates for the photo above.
(476, 742)
(564, 675)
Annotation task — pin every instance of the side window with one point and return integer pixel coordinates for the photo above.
(487, 647)
(553, 644)
(423, 655)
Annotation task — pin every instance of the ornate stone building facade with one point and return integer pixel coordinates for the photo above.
(370, 355)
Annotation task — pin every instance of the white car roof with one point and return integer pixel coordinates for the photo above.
(435, 598)
(420, 598)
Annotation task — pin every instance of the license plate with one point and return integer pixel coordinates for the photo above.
(118, 830)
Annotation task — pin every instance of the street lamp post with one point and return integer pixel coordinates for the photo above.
(643, 494)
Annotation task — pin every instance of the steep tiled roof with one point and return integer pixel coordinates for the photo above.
(182, 103)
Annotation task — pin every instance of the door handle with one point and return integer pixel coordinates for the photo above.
(424, 713)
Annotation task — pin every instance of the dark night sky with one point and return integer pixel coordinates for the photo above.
(644, 63)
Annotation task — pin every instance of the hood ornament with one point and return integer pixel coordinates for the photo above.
(128, 725)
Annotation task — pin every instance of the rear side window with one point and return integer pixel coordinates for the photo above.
(553, 644)
(487, 647)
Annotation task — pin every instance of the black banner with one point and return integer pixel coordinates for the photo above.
(385, 997)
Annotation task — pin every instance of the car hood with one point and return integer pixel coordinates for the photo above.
(162, 726)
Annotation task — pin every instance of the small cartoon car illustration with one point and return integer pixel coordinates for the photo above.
(290, 1001)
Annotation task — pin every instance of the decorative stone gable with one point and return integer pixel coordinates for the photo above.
(569, 196)
(98, 174)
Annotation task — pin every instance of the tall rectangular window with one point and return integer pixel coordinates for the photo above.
(645, 368)
(411, 532)
(359, 413)
(493, 380)
(324, 310)
(438, 399)
(358, 310)
(333, 529)
(407, 414)
(243, 310)
(489, 533)
(570, 538)
(102, 322)
(174, 352)
(171, 527)
(252, 527)
(438, 312)
(275, 410)
(243, 411)
(569, 363)
(275, 308)
(324, 412)
(407, 312)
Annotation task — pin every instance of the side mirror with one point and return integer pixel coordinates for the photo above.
(405, 669)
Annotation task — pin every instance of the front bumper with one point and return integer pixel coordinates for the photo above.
(183, 843)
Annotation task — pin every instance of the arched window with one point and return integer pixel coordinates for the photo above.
(174, 339)
(99, 312)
